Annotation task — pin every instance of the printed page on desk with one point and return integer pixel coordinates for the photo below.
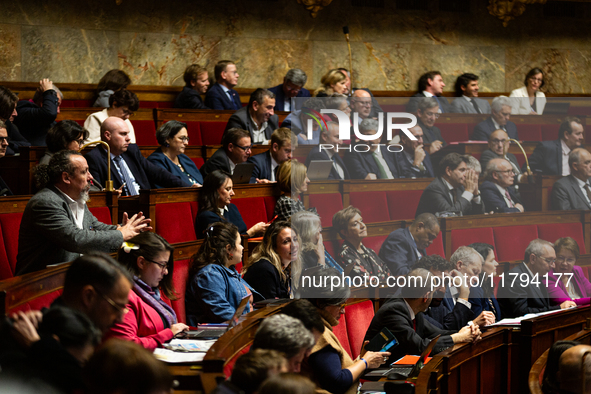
(517, 321)
(168, 356)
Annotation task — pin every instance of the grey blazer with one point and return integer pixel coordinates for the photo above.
(48, 233)
(462, 106)
(436, 198)
(566, 194)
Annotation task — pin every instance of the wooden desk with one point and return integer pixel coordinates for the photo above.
(536, 196)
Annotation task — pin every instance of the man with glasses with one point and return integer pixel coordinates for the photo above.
(499, 119)
(528, 294)
(236, 148)
(427, 114)
(361, 104)
(498, 192)
(574, 191)
(498, 148)
(258, 117)
(292, 86)
(4, 140)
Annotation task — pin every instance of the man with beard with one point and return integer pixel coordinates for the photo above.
(57, 226)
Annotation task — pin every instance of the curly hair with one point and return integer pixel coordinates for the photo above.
(213, 250)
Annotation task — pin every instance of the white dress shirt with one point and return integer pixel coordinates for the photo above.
(582, 186)
(336, 165)
(565, 153)
(77, 209)
(466, 194)
(380, 156)
(510, 203)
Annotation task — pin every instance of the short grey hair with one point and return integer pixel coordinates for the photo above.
(283, 333)
(296, 76)
(427, 103)
(575, 156)
(38, 96)
(492, 167)
(499, 102)
(368, 124)
(536, 247)
(466, 255)
(473, 164)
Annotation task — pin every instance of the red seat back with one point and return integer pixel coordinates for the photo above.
(465, 237)
(529, 132)
(10, 223)
(6, 270)
(358, 316)
(229, 366)
(436, 248)
(453, 132)
(551, 232)
(174, 222)
(326, 205)
(333, 248)
(145, 132)
(194, 132)
(550, 132)
(102, 214)
(211, 132)
(199, 161)
(340, 331)
(375, 243)
(402, 204)
(252, 209)
(38, 303)
(511, 241)
(373, 206)
(270, 202)
(179, 280)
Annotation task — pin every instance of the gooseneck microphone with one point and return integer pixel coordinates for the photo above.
(530, 178)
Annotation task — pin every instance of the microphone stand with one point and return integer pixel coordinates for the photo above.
(109, 182)
(530, 178)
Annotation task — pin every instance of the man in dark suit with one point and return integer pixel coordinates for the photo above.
(518, 300)
(328, 150)
(551, 157)
(430, 85)
(498, 192)
(498, 148)
(366, 161)
(499, 119)
(196, 84)
(292, 86)
(455, 189)
(361, 104)
(266, 163)
(130, 170)
(258, 118)
(4, 189)
(467, 101)
(236, 148)
(8, 102)
(222, 95)
(405, 246)
(574, 191)
(427, 114)
(405, 318)
(413, 161)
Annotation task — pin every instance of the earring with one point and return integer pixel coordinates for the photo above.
(231, 256)
(167, 145)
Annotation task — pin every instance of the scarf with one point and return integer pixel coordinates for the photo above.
(151, 297)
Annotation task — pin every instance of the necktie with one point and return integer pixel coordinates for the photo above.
(588, 190)
(478, 111)
(492, 306)
(414, 324)
(382, 172)
(129, 186)
(508, 197)
(275, 172)
(336, 167)
(439, 103)
(454, 196)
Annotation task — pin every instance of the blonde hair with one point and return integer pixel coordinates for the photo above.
(266, 249)
(307, 224)
(291, 172)
(331, 78)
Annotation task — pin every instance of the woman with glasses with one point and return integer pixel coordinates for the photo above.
(529, 100)
(65, 135)
(148, 320)
(567, 282)
(215, 205)
(173, 139)
(122, 104)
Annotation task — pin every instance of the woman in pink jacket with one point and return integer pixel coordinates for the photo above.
(565, 287)
(149, 321)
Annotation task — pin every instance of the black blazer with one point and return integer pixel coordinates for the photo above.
(146, 174)
(241, 120)
(488, 155)
(480, 303)
(189, 98)
(265, 279)
(484, 129)
(280, 97)
(450, 316)
(396, 317)
(216, 98)
(436, 198)
(566, 194)
(547, 158)
(34, 121)
(218, 161)
(495, 201)
(407, 170)
(205, 218)
(518, 301)
(359, 164)
(431, 134)
(399, 251)
(262, 166)
(413, 103)
(4, 189)
(16, 139)
(315, 154)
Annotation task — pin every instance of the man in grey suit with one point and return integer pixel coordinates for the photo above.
(467, 93)
(498, 148)
(258, 118)
(574, 191)
(57, 226)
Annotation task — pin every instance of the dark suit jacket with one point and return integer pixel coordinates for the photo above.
(375, 106)
(396, 317)
(484, 129)
(146, 174)
(431, 134)
(262, 166)
(34, 121)
(436, 198)
(4, 189)
(359, 164)
(241, 119)
(218, 161)
(495, 201)
(462, 106)
(216, 98)
(566, 194)
(266, 280)
(488, 155)
(160, 159)
(189, 98)
(413, 103)
(205, 218)
(280, 97)
(450, 316)
(315, 154)
(480, 303)
(407, 170)
(547, 157)
(16, 139)
(518, 301)
(399, 251)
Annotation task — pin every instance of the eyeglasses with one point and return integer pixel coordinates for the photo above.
(363, 103)
(536, 79)
(506, 172)
(163, 266)
(121, 309)
(549, 261)
(184, 139)
(4, 140)
(436, 115)
(244, 148)
(496, 142)
(80, 141)
(560, 259)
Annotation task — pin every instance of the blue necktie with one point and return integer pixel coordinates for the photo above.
(439, 103)
(129, 186)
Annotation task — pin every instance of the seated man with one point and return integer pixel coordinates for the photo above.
(257, 118)
(369, 160)
(454, 190)
(427, 114)
(498, 192)
(328, 150)
(405, 318)
(297, 121)
(8, 102)
(361, 104)
(499, 119)
(37, 117)
(467, 93)
(196, 84)
(57, 226)
(130, 170)
(574, 191)
(551, 157)
(405, 246)
(266, 163)
(413, 161)
(519, 300)
(498, 147)
(222, 95)
(430, 85)
(236, 148)
(574, 370)
(4, 189)
(292, 86)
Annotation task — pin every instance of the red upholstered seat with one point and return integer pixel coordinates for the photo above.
(194, 210)
(465, 237)
(270, 202)
(179, 280)
(211, 132)
(587, 271)
(252, 209)
(229, 366)
(529, 132)
(436, 247)
(102, 214)
(551, 232)
(358, 316)
(6, 270)
(149, 104)
(373, 206)
(145, 132)
(83, 103)
(164, 104)
(174, 223)
(581, 111)
(402, 204)
(194, 132)
(10, 224)
(38, 303)
(68, 104)
(199, 161)
(326, 205)
(333, 248)
(453, 132)
(375, 243)
(511, 241)
(340, 331)
(521, 159)
(550, 132)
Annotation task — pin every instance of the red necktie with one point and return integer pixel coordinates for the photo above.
(414, 324)
(508, 198)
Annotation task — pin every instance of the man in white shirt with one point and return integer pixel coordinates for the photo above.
(258, 117)
(430, 85)
(498, 192)
(266, 163)
(574, 191)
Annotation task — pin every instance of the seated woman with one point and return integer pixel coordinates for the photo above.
(150, 321)
(550, 384)
(173, 139)
(268, 270)
(65, 135)
(483, 298)
(111, 82)
(355, 258)
(214, 206)
(330, 366)
(572, 284)
(122, 104)
(307, 225)
(215, 288)
(334, 81)
(528, 100)
(291, 174)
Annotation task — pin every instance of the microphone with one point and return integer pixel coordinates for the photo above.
(530, 178)
(346, 32)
